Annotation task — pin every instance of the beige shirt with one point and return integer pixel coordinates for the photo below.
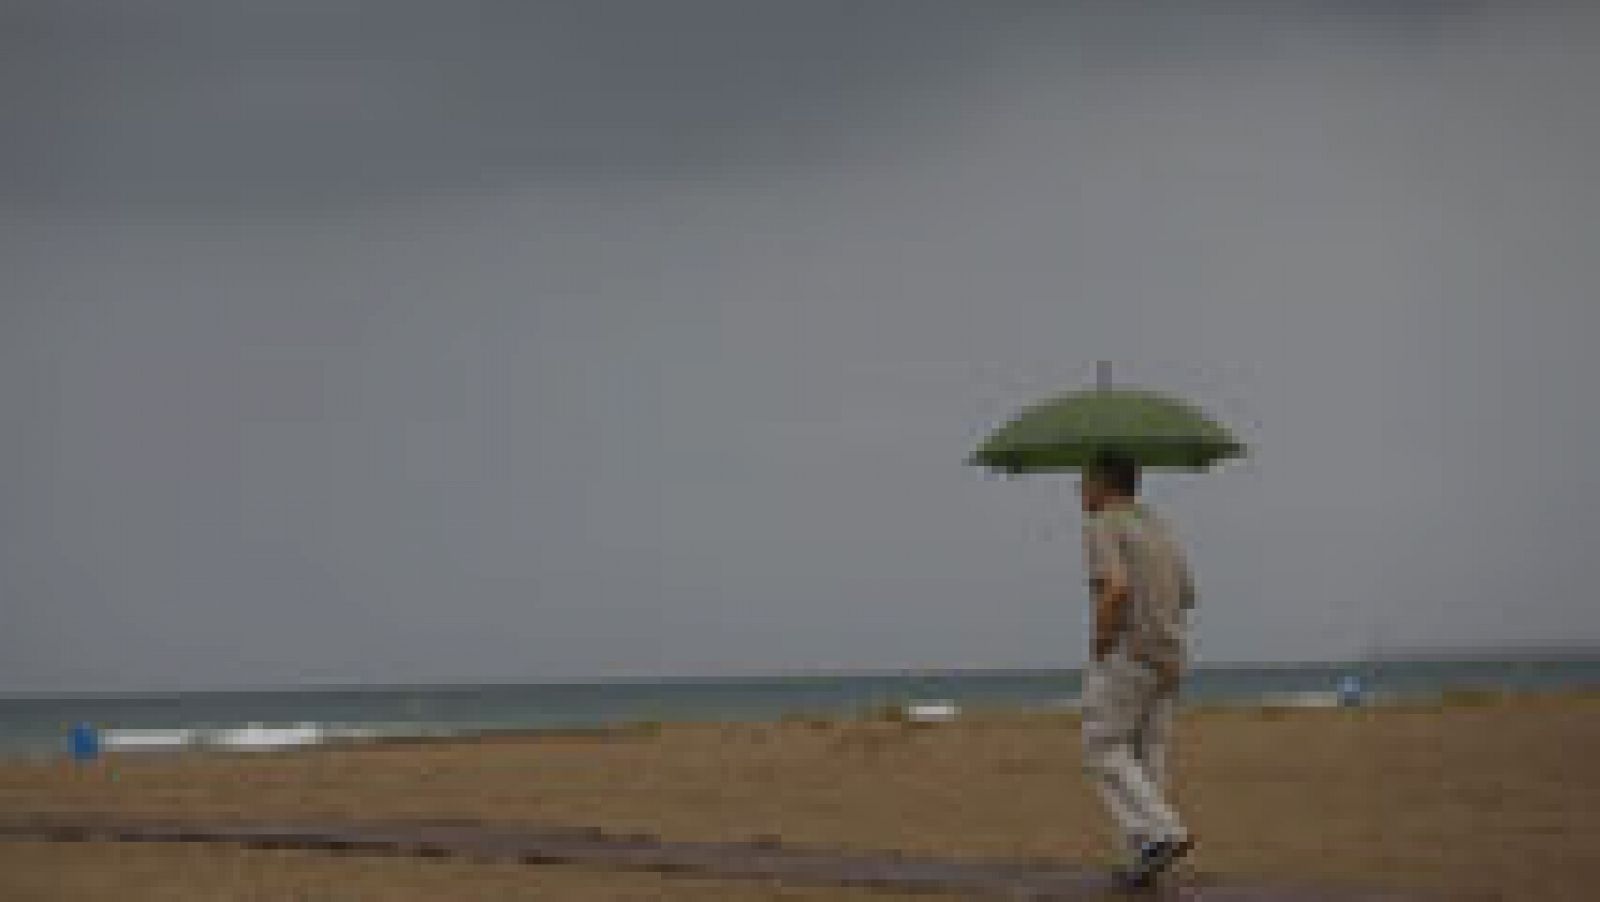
(1131, 545)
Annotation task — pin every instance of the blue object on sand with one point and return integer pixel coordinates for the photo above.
(84, 742)
(1350, 691)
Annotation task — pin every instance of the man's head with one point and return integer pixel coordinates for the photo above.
(1110, 477)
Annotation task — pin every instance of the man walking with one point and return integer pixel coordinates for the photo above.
(1142, 590)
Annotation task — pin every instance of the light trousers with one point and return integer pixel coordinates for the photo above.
(1127, 725)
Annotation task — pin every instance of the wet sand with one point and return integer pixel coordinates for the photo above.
(1474, 794)
(36, 872)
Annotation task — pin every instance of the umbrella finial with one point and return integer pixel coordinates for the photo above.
(1102, 375)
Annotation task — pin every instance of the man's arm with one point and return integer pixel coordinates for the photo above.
(1110, 614)
(1108, 579)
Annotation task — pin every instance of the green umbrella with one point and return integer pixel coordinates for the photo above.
(1064, 433)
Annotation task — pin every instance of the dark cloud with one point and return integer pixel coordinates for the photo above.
(297, 103)
(302, 103)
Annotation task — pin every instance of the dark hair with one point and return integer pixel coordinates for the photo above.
(1116, 471)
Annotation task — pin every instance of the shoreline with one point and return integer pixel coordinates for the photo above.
(194, 741)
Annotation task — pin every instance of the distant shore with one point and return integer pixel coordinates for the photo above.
(1378, 657)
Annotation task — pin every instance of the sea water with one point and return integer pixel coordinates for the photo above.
(40, 726)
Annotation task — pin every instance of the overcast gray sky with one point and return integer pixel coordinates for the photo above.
(420, 341)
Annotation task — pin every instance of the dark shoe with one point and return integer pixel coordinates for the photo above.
(1155, 859)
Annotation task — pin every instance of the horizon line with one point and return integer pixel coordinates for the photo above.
(1432, 657)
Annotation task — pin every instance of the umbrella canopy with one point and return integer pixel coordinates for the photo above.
(1065, 433)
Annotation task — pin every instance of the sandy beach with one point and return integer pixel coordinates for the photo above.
(1474, 794)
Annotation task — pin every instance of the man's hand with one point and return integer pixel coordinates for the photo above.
(1103, 644)
(1168, 676)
